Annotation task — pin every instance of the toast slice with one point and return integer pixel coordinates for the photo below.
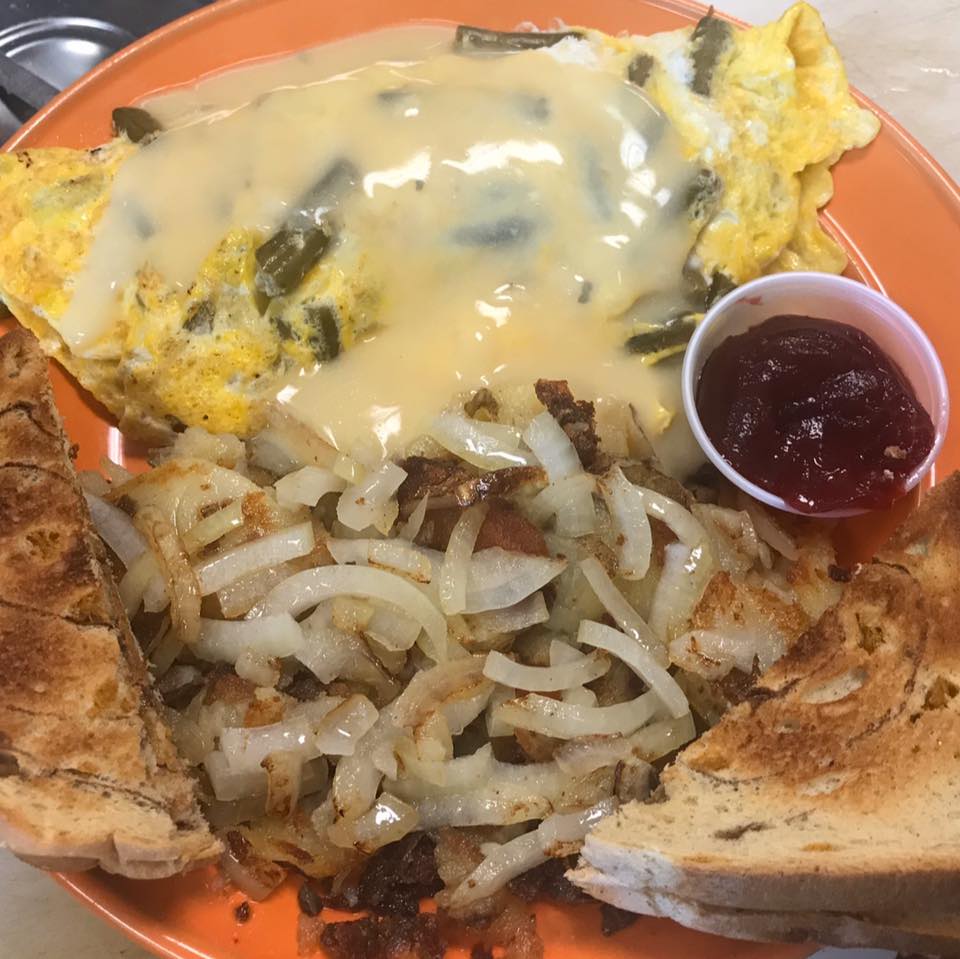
(831, 793)
(926, 933)
(88, 772)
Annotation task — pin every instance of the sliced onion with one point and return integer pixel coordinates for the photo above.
(713, 654)
(458, 774)
(452, 581)
(489, 446)
(411, 528)
(227, 567)
(499, 578)
(501, 864)
(93, 482)
(229, 784)
(495, 726)
(166, 651)
(243, 594)
(681, 521)
(396, 555)
(552, 447)
(625, 616)
(463, 707)
(510, 794)
(183, 489)
(248, 803)
(370, 502)
(628, 509)
(432, 738)
(384, 760)
(344, 726)
(117, 474)
(116, 529)
(286, 444)
(182, 588)
(347, 468)
(350, 614)
(580, 757)
(245, 748)
(639, 659)
(455, 687)
(770, 532)
(269, 452)
(511, 619)
(580, 696)
(307, 486)
(393, 632)
(330, 653)
(134, 583)
(257, 669)
(551, 717)
(390, 819)
(253, 875)
(222, 641)
(155, 594)
(582, 670)
(656, 740)
(284, 775)
(313, 586)
(682, 581)
(562, 833)
(214, 526)
(220, 448)
(570, 500)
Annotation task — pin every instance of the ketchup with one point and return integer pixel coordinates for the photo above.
(814, 412)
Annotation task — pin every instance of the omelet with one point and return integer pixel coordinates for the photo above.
(759, 116)
(769, 110)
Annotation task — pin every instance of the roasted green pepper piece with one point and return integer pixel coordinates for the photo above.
(703, 195)
(640, 69)
(200, 318)
(708, 43)
(674, 333)
(326, 194)
(136, 124)
(287, 257)
(324, 338)
(479, 40)
(508, 231)
(720, 285)
(700, 294)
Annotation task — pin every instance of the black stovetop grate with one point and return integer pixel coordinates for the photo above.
(47, 44)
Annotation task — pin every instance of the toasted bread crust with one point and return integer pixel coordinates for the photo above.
(88, 772)
(928, 933)
(833, 788)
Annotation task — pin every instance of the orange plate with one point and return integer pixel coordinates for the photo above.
(896, 211)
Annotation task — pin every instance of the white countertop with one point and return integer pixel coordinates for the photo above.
(909, 63)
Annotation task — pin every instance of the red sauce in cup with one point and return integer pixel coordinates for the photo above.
(815, 412)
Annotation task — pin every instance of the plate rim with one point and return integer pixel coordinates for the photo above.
(224, 7)
(148, 932)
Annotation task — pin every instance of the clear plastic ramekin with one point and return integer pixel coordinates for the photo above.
(828, 297)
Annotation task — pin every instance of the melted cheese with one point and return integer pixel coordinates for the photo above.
(513, 217)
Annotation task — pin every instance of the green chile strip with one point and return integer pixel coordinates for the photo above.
(288, 256)
(675, 332)
(708, 43)
(136, 124)
(641, 66)
(478, 40)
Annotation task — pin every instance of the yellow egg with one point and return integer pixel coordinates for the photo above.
(766, 118)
